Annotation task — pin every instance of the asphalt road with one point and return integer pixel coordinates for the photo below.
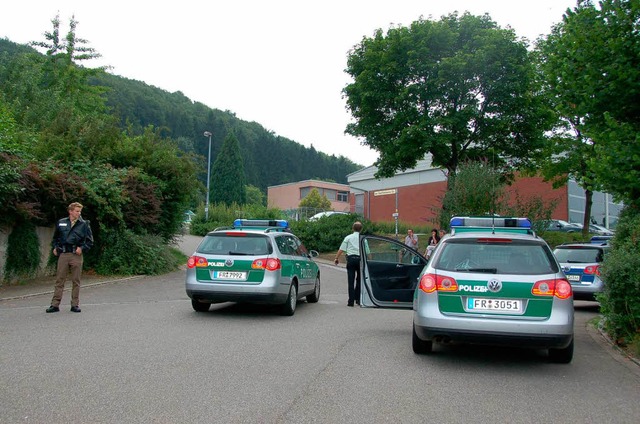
(138, 353)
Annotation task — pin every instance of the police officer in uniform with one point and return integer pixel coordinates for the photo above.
(351, 247)
(71, 239)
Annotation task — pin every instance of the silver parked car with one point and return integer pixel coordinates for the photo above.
(253, 261)
(491, 281)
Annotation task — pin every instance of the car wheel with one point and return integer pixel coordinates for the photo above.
(315, 296)
(289, 306)
(419, 345)
(562, 356)
(200, 306)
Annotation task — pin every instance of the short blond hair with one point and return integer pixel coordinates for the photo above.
(74, 205)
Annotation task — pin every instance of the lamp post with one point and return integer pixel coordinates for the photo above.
(206, 206)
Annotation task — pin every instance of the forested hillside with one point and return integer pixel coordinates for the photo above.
(268, 158)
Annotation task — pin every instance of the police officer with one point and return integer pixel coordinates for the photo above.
(351, 247)
(72, 238)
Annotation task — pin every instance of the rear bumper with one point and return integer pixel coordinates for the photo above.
(538, 341)
(229, 296)
(269, 291)
(556, 331)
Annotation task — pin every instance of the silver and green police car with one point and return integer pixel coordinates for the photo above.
(490, 281)
(253, 261)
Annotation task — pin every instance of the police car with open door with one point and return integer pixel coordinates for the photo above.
(253, 261)
(490, 281)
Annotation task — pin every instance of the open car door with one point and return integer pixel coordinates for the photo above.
(390, 271)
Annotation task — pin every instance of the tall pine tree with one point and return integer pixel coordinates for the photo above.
(227, 175)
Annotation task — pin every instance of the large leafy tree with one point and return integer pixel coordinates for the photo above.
(590, 66)
(228, 179)
(460, 88)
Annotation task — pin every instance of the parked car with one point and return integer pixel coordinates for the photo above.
(594, 229)
(560, 225)
(253, 261)
(326, 213)
(581, 263)
(490, 281)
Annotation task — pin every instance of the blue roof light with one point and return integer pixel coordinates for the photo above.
(280, 223)
(489, 222)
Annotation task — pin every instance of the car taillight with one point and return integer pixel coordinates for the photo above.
(559, 288)
(197, 262)
(428, 283)
(270, 264)
(431, 282)
(592, 269)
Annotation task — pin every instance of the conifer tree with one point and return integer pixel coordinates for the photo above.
(228, 179)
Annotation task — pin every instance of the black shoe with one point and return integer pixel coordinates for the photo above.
(358, 302)
(75, 309)
(52, 309)
(349, 303)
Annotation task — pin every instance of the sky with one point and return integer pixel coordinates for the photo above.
(279, 63)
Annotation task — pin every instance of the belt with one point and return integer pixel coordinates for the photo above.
(353, 256)
(69, 249)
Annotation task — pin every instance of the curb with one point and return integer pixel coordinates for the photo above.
(603, 339)
(98, 283)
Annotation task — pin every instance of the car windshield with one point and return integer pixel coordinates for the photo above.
(582, 255)
(223, 244)
(510, 257)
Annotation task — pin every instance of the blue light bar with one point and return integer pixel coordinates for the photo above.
(263, 223)
(489, 222)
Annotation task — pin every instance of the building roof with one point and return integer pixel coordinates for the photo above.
(314, 183)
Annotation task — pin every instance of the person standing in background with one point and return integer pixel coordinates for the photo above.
(434, 239)
(411, 239)
(351, 247)
(72, 238)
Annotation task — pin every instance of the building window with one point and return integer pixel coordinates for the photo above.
(343, 196)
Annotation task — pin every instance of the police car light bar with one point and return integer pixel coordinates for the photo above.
(263, 223)
(489, 222)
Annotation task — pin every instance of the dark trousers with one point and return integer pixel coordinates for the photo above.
(353, 278)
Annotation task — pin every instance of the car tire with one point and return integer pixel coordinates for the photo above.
(200, 306)
(289, 307)
(315, 296)
(562, 356)
(420, 346)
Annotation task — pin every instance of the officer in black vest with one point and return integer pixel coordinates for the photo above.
(71, 239)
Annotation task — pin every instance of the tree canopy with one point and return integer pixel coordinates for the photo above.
(460, 88)
(315, 200)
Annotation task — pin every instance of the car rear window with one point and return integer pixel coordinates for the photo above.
(227, 244)
(512, 257)
(579, 255)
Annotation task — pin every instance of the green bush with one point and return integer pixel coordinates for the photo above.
(221, 215)
(326, 234)
(127, 253)
(620, 302)
(23, 252)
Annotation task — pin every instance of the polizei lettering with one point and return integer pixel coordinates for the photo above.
(477, 289)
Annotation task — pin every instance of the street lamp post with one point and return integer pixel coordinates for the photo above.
(206, 206)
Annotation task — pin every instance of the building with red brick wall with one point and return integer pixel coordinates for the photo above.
(415, 195)
(288, 196)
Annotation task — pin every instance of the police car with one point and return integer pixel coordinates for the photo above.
(490, 281)
(253, 261)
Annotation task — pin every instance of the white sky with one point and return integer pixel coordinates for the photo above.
(279, 63)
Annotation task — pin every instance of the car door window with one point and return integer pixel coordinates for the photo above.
(392, 270)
